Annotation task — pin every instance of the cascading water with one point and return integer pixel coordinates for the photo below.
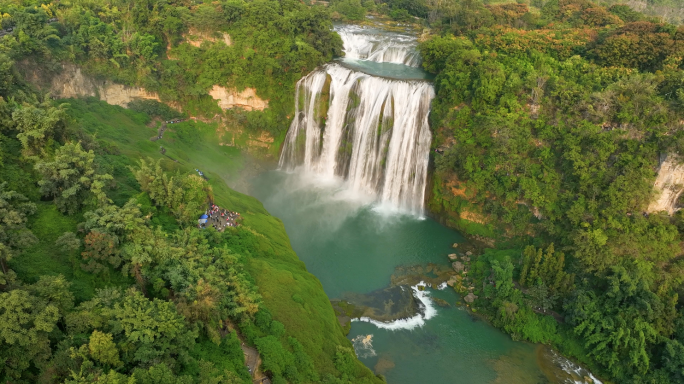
(371, 131)
(374, 45)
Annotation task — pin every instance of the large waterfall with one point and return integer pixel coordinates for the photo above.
(382, 47)
(371, 131)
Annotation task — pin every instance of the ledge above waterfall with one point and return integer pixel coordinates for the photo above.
(386, 70)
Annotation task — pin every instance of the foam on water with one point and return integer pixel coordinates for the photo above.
(428, 311)
(363, 346)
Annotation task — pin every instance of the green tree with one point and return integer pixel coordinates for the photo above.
(14, 211)
(103, 350)
(186, 197)
(37, 125)
(101, 249)
(28, 315)
(618, 326)
(68, 242)
(71, 178)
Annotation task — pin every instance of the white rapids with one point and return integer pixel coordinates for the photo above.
(427, 307)
(373, 45)
(370, 131)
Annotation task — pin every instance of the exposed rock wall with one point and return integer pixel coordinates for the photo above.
(72, 82)
(230, 98)
(668, 186)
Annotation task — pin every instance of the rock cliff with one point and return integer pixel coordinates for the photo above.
(668, 186)
(230, 98)
(72, 82)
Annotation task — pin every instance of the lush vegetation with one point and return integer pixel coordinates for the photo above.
(104, 276)
(550, 125)
(272, 44)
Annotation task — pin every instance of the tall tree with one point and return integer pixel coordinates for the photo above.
(14, 211)
(71, 178)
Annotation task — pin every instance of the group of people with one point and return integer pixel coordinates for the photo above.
(221, 218)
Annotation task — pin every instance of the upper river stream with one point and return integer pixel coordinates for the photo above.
(350, 193)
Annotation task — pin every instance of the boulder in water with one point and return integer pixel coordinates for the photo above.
(453, 256)
(440, 302)
(455, 245)
(384, 305)
(458, 266)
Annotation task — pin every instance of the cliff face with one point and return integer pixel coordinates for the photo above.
(668, 186)
(72, 82)
(230, 98)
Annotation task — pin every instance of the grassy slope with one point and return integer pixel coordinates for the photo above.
(282, 278)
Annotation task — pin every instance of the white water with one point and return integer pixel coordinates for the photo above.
(375, 134)
(429, 311)
(373, 45)
(576, 374)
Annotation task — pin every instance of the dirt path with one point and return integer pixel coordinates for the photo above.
(253, 362)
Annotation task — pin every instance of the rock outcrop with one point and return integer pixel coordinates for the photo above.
(469, 298)
(196, 38)
(669, 185)
(72, 82)
(230, 98)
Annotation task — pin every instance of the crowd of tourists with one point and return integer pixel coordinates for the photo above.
(219, 218)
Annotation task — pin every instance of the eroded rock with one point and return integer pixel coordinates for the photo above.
(229, 98)
(470, 297)
(668, 186)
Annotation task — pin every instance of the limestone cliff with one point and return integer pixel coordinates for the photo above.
(230, 98)
(72, 82)
(668, 186)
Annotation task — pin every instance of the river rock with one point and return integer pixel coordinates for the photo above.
(468, 253)
(470, 298)
(458, 266)
(455, 245)
(384, 305)
(453, 280)
(453, 256)
(440, 302)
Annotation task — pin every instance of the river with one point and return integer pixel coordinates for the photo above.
(350, 193)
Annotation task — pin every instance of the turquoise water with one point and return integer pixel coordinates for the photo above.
(386, 70)
(353, 246)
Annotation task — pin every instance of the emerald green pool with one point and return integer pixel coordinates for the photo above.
(353, 246)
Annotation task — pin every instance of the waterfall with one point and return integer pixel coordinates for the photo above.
(373, 45)
(371, 131)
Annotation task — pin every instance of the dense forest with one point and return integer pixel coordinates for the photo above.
(104, 275)
(551, 122)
